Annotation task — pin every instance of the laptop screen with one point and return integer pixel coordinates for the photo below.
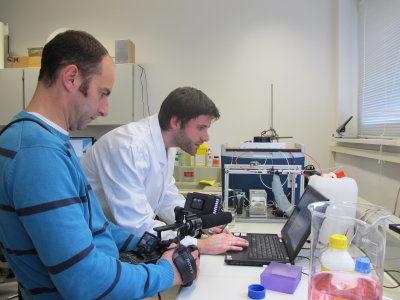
(298, 227)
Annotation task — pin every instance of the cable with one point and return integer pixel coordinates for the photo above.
(262, 182)
(304, 257)
(147, 93)
(265, 162)
(233, 155)
(223, 201)
(397, 200)
(392, 287)
(141, 84)
(320, 169)
(236, 161)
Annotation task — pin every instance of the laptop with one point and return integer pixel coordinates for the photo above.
(284, 247)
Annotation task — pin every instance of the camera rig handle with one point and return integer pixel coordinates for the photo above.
(185, 263)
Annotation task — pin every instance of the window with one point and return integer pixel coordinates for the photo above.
(379, 91)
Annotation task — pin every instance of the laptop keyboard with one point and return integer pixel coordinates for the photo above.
(265, 246)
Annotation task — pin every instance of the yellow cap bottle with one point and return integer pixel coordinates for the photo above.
(200, 158)
(337, 257)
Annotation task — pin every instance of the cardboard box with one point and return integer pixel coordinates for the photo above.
(20, 61)
(26, 61)
(36, 51)
(34, 61)
(124, 52)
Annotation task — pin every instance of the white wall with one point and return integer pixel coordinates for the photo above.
(377, 179)
(347, 47)
(231, 49)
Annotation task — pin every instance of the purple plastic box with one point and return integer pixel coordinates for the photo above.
(281, 277)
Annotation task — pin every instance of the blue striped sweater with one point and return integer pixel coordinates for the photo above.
(53, 232)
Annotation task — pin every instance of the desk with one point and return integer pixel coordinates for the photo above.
(220, 281)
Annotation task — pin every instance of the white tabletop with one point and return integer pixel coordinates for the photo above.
(231, 282)
(220, 281)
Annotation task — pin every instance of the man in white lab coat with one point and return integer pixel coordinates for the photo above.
(131, 167)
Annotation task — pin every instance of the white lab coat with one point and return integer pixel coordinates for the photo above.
(131, 173)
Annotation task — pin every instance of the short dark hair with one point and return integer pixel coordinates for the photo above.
(186, 103)
(71, 47)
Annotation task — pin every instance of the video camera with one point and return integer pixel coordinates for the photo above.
(150, 247)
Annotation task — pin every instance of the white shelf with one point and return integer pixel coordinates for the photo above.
(378, 155)
(384, 142)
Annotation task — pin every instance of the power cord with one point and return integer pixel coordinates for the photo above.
(397, 200)
(147, 93)
(392, 287)
(304, 257)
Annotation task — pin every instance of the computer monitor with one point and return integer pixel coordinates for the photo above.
(81, 145)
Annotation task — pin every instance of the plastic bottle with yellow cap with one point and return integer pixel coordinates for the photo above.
(337, 256)
(200, 157)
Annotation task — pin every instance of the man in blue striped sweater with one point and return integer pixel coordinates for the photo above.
(52, 230)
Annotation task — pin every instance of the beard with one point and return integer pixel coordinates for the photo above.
(184, 142)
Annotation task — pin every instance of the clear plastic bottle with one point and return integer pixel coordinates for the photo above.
(200, 157)
(216, 161)
(337, 257)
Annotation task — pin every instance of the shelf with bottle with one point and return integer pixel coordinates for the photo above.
(203, 158)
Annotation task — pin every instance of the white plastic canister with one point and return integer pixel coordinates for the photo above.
(336, 190)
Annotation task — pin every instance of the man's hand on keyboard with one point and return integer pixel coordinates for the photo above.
(220, 243)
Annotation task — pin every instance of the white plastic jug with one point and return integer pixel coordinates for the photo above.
(337, 190)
